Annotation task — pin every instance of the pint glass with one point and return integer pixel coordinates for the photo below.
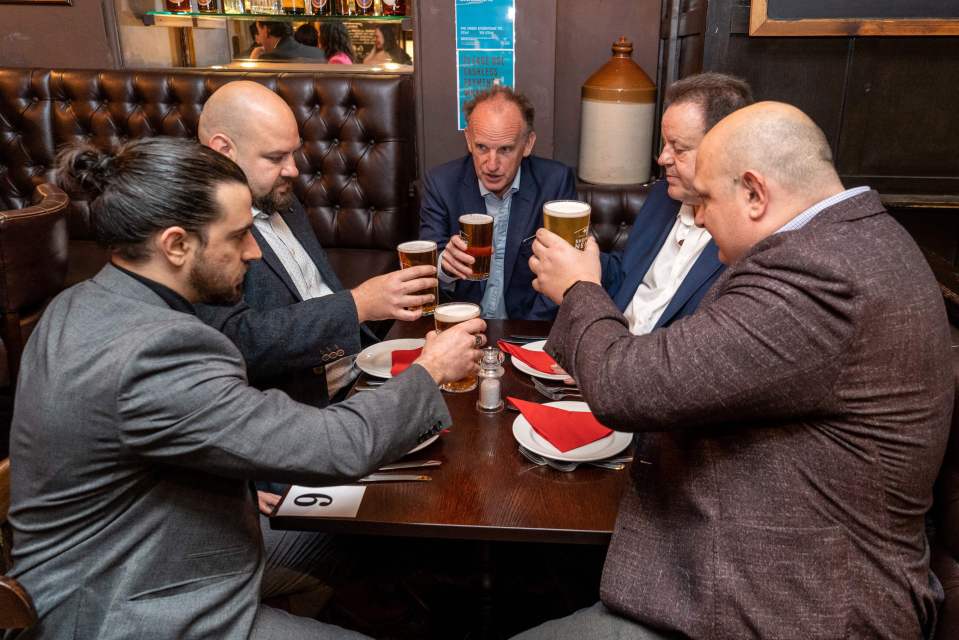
(414, 254)
(569, 220)
(476, 230)
(449, 315)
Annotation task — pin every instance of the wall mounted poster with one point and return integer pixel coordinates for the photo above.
(485, 46)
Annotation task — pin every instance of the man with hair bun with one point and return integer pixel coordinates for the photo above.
(136, 434)
(792, 427)
(500, 177)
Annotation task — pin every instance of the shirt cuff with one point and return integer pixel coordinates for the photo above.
(441, 275)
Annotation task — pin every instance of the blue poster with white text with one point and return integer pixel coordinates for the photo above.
(485, 37)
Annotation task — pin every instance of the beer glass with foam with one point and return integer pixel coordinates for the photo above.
(476, 230)
(414, 254)
(568, 219)
(449, 315)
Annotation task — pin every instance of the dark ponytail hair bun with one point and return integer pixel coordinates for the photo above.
(84, 167)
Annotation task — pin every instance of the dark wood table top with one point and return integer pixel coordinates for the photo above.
(485, 490)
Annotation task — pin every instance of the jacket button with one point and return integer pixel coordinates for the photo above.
(326, 357)
(340, 353)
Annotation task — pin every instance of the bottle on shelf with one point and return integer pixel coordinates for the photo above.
(208, 6)
(294, 7)
(177, 6)
(364, 8)
(394, 7)
(324, 7)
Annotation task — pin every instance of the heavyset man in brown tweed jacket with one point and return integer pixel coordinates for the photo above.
(791, 429)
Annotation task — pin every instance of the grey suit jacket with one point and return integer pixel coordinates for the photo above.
(134, 439)
(795, 425)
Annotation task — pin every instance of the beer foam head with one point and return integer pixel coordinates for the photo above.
(417, 246)
(475, 218)
(456, 312)
(566, 208)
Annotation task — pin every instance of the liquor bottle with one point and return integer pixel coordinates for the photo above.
(178, 6)
(294, 7)
(323, 7)
(394, 7)
(364, 7)
(208, 6)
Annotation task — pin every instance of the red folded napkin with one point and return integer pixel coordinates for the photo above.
(403, 358)
(565, 430)
(539, 360)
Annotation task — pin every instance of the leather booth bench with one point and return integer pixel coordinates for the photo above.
(357, 163)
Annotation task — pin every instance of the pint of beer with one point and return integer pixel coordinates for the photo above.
(568, 219)
(414, 254)
(476, 230)
(449, 315)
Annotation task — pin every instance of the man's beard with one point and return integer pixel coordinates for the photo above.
(212, 285)
(278, 199)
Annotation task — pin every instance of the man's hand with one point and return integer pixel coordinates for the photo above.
(453, 354)
(558, 265)
(389, 297)
(267, 502)
(456, 262)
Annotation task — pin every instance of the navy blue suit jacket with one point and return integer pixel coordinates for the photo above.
(285, 340)
(452, 189)
(624, 271)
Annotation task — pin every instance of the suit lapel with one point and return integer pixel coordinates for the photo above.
(705, 266)
(646, 252)
(271, 260)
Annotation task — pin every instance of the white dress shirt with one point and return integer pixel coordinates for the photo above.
(307, 280)
(671, 266)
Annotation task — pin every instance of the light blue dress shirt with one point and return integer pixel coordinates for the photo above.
(803, 218)
(494, 301)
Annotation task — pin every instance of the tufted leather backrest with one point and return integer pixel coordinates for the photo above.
(614, 209)
(356, 164)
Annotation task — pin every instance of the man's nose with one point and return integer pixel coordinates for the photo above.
(289, 168)
(251, 250)
(665, 158)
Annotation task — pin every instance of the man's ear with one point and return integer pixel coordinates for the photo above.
(469, 141)
(755, 193)
(530, 143)
(175, 244)
(222, 143)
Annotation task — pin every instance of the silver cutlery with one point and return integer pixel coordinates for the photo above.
(614, 464)
(414, 464)
(394, 477)
(557, 393)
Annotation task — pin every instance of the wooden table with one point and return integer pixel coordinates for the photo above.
(485, 490)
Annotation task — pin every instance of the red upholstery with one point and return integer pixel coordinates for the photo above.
(356, 164)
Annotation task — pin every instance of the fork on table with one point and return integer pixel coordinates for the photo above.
(615, 464)
(557, 393)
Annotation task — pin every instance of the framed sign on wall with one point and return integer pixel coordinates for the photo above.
(854, 18)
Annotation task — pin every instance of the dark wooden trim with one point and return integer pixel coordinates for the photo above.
(66, 2)
(761, 25)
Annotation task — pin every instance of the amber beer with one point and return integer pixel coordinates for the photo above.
(414, 254)
(569, 220)
(476, 230)
(449, 315)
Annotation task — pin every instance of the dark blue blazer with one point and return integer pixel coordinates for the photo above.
(285, 340)
(452, 189)
(624, 271)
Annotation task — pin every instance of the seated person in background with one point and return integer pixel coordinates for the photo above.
(500, 178)
(336, 43)
(794, 424)
(132, 454)
(256, 50)
(386, 47)
(279, 44)
(306, 35)
(669, 263)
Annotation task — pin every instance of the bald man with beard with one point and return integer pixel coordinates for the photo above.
(792, 428)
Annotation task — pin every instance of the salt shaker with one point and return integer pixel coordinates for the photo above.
(490, 388)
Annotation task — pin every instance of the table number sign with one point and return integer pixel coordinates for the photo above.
(322, 502)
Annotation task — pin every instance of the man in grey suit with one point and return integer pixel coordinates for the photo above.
(792, 427)
(135, 433)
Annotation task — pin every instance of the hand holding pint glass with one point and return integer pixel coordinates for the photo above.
(568, 219)
(448, 316)
(416, 253)
(476, 230)
(454, 353)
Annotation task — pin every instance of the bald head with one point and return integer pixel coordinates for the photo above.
(756, 170)
(780, 142)
(255, 128)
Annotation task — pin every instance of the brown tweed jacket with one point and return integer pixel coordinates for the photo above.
(794, 427)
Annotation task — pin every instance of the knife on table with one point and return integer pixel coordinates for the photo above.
(394, 477)
(413, 464)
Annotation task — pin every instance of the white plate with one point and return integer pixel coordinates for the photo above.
(377, 359)
(602, 448)
(530, 371)
(424, 444)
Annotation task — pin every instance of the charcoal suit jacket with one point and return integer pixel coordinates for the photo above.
(286, 341)
(794, 426)
(452, 189)
(133, 443)
(623, 271)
